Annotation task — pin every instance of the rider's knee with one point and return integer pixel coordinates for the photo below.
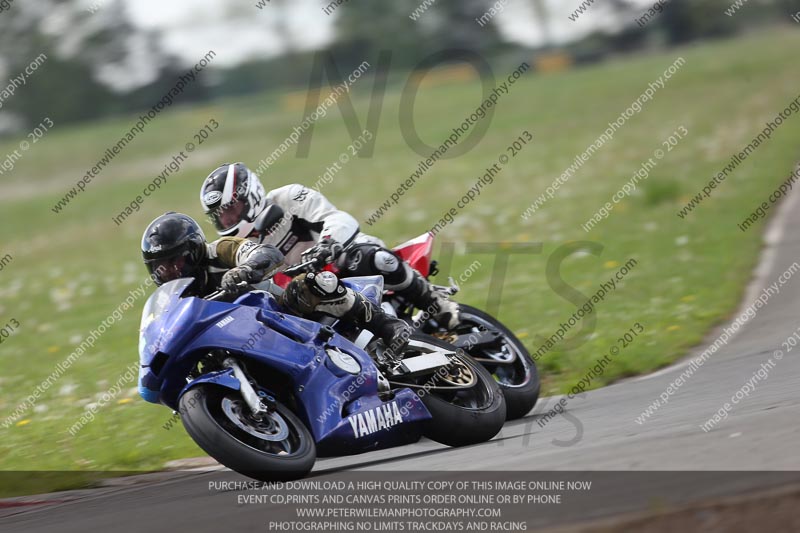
(308, 293)
(372, 260)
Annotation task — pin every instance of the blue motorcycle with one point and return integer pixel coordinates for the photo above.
(265, 392)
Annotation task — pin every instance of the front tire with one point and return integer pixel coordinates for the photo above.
(276, 448)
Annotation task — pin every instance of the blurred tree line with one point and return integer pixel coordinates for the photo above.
(100, 64)
(92, 62)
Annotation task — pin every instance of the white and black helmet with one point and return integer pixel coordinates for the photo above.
(232, 197)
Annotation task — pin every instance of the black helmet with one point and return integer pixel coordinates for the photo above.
(232, 197)
(173, 246)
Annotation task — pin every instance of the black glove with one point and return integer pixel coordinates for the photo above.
(324, 252)
(236, 279)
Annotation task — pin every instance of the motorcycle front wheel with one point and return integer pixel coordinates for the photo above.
(276, 446)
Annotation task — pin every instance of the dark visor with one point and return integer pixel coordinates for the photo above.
(170, 268)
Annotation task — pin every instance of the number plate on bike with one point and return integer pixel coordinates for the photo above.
(421, 363)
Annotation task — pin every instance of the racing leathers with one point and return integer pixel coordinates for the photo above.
(306, 221)
(233, 263)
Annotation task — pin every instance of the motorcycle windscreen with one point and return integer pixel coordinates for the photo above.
(150, 329)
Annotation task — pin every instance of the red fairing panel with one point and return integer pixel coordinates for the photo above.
(417, 252)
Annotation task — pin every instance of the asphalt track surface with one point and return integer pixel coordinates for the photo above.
(761, 435)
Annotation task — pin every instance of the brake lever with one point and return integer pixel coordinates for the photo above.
(299, 268)
(218, 295)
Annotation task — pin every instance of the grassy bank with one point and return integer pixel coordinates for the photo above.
(71, 270)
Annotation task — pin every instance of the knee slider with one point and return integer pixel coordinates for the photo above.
(306, 291)
(396, 273)
(386, 262)
(324, 285)
(298, 298)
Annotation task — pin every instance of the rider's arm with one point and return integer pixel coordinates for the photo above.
(231, 252)
(321, 216)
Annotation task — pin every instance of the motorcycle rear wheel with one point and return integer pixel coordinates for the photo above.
(519, 380)
(278, 447)
(462, 417)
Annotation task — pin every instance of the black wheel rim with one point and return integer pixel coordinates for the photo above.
(477, 397)
(272, 433)
(462, 384)
(513, 366)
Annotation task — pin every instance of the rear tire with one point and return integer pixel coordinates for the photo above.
(468, 417)
(208, 413)
(520, 383)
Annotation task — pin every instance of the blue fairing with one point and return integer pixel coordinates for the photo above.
(369, 286)
(343, 411)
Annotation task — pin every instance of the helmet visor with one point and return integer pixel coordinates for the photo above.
(229, 215)
(169, 268)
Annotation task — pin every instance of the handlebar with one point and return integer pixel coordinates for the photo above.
(267, 285)
(299, 268)
(292, 271)
(216, 295)
(220, 294)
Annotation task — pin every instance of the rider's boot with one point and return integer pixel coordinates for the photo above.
(425, 297)
(393, 331)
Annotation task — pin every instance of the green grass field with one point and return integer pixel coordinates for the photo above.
(70, 270)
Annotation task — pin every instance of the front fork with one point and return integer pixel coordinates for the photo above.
(249, 394)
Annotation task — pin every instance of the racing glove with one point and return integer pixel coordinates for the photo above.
(236, 280)
(324, 252)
